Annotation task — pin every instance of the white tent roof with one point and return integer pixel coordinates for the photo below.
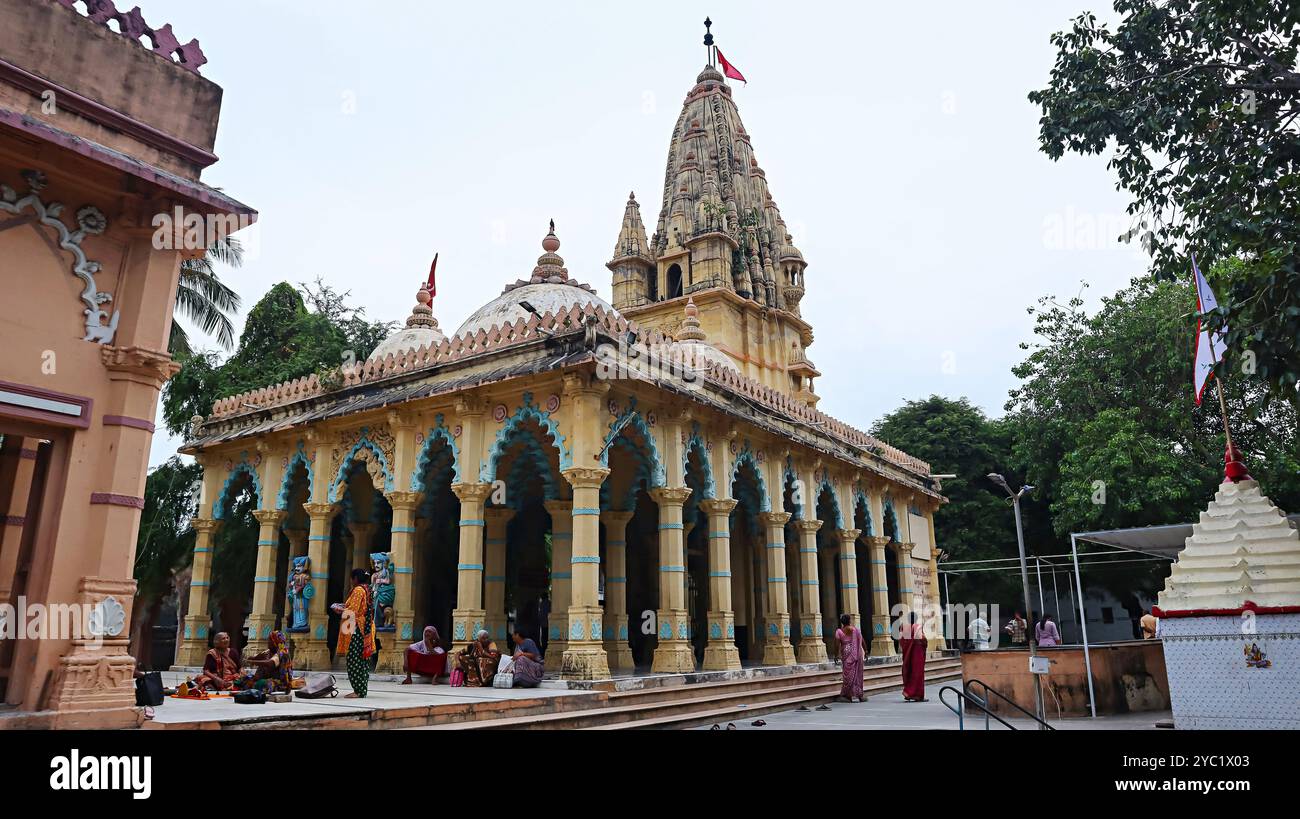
(1161, 541)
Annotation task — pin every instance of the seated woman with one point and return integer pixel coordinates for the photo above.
(273, 667)
(528, 661)
(426, 658)
(478, 661)
(220, 666)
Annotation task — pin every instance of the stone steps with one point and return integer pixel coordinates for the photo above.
(682, 705)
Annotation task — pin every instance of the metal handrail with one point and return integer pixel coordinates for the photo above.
(960, 711)
(985, 700)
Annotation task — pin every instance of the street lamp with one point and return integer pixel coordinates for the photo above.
(1024, 580)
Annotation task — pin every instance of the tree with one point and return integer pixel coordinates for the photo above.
(164, 545)
(282, 340)
(1198, 102)
(976, 524)
(203, 299)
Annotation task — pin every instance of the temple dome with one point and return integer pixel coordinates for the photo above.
(692, 347)
(421, 328)
(549, 290)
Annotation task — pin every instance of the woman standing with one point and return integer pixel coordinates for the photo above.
(913, 644)
(851, 659)
(357, 615)
(1045, 633)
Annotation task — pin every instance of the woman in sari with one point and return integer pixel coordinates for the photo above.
(851, 659)
(479, 660)
(913, 644)
(220, 666)
(358, 616)
(274, 666)
(427, 658)
(528, 661)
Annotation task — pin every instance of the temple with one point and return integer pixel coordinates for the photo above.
(647, 483)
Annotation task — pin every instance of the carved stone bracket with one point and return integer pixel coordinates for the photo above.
(139, 364)
(90, 222)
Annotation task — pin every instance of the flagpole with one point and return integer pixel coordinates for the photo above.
(1223, 408)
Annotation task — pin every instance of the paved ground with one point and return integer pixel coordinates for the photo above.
(889, 711)
(382, 694)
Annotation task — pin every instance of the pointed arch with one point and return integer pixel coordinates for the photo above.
(363, 442)
(298, 458)
(428, 451)
(525, 412)
(861, 503)
(745, 457)
(232, 475)
(694, 443)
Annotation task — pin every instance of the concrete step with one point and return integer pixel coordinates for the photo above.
(673, 706)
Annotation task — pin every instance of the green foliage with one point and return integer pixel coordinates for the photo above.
(166, 541)
(282, 340)
(1198, 104)
(204, 299)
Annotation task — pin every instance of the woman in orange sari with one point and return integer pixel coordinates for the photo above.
(912, 642)
(357, 615)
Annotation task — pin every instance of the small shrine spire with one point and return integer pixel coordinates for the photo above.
(708, 41)
(550, 266)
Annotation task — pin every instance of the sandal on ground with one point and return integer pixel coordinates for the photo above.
(731, 726)
(758, 723)
(823, 707)
(803, 708)
(716, 727)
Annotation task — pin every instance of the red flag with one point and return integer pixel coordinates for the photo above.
(728, 69)
(431, 286)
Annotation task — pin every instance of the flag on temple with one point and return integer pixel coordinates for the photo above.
(431, 286)
(1210, 347)
(728, 69)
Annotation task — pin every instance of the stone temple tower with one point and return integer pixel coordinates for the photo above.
(720, 240)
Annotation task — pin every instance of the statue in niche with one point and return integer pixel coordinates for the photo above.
(382, 590)
(299, 592)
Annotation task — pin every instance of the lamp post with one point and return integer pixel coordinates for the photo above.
(1024, 581)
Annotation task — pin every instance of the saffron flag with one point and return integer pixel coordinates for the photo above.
(728, 69)
(432, 285)
(1210, 347)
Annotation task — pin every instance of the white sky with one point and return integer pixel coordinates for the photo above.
(897, 141)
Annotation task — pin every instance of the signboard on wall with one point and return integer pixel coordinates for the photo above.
(919, 528)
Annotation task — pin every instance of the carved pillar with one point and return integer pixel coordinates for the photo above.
(194, 644)
(721, 653)
(882, 645)
(402, 566)
(673, 654)
(617, 649)
(584, 656)
(469, 616)
(905, 591)
(849, 575)
(937, 641)
(776, 646)
(557, 639)
(494, 580)
(297, 542)
(261, 620)
(812, 647)
(314, 653)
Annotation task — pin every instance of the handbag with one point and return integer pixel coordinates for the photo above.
(504, 680)
(317, 686)
(149, 689)
(457, 678)
(251, 696)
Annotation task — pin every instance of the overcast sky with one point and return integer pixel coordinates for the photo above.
(897, 141)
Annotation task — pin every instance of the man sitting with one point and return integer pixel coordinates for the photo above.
(426, 658)
(220, 666)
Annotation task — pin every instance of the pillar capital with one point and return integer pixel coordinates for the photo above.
(401, 420)
(670, 496)
(268, 517)
(498, 514)
(718, 506)
(807, 525)
(469, 405)
(901, 549)
(585, 477)
(404, 500)
(320, 510)
(471, 492)
(879, 541)
(556, 507)
(209, 525)
(579, 383)
(774, 518)
(849, 535)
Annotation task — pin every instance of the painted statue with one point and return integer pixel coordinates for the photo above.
(382, 590)
(299, 592)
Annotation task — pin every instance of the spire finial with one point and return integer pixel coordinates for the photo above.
(708, 41)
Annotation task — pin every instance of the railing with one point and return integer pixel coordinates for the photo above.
(984, 701)
(960, 710)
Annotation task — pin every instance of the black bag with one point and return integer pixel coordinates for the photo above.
(149, 689)
(317, 686)
(251, 696)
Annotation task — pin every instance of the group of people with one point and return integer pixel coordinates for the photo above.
(852, 652)
(225, 670)
(1046, 632)
(480, 662)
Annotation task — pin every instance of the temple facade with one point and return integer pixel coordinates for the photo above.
(105, 128)
(647, 483)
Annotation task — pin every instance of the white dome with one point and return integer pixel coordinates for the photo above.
(544, 297)
(698, 355)
(409, 338)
